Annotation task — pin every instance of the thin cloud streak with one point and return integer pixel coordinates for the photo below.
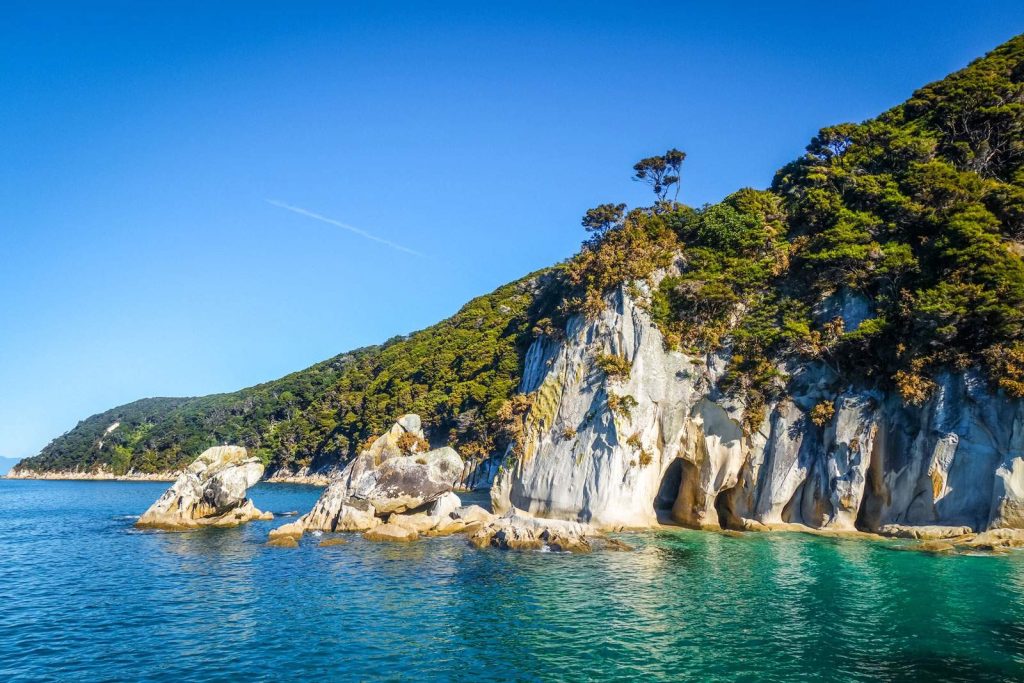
(351, 228)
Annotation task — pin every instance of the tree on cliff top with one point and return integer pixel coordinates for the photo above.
(661, 173)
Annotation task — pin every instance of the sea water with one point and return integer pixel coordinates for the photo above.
(86, 596)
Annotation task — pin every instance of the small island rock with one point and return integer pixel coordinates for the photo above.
(211, 492)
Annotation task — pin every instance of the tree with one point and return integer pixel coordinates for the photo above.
(603, 218)
(661, 172)
(832, 141)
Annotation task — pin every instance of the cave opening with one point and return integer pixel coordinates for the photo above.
(727, 518)
(668, 490)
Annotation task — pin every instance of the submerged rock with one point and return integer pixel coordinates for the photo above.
(391, 532)
(211, 492)
(925, 533)
(292, 530)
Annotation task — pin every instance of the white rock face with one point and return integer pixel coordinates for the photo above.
(211, 492)
(581, 460)
(957, 461)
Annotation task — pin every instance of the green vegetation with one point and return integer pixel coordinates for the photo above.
(918, 215)
(615, 367)
(457, 375)
(822, 413)
(621, 405)
(916, 218)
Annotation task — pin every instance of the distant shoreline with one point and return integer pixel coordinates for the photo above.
(312, 480)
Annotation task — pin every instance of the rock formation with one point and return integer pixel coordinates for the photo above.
(211, 492)
(516, 531)
(613, 451)
(396, 474)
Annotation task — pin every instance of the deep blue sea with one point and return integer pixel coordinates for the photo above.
(84, 596)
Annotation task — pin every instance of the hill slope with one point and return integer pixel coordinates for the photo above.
(889, 252)
(456, 375)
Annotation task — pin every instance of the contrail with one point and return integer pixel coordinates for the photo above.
(346, 226)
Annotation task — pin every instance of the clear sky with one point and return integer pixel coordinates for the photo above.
(196, 197)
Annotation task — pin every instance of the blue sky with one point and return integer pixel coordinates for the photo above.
(196, 197)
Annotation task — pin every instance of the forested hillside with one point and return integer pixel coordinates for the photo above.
(456, 375)
(890, 251)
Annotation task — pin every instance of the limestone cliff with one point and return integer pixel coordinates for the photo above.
(614, 451)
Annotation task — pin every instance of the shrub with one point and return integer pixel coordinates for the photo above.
(366, 443)
(1006, 368)
(615, 367)
(914, 388)
(621, 406)
(512, 422)
(409, 443)
(822, 413)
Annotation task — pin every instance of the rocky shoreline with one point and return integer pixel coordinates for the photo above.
(101, 475)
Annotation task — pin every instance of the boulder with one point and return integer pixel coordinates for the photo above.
(391, 477)
(335, 511)
(292, 530)
(408, 482)
(391, 532)
(472, 513)
(211, 492)
(517, 531)
(445, 505)
(437, 521)
(448, 527)
(392, 444)
(387, 478)
(356, 517)
(283, 542)
(997, 539)
(418, 522)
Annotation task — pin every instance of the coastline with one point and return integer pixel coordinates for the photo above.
(312, 480)
(72, 475)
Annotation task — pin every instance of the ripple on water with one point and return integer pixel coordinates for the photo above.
(85, 596)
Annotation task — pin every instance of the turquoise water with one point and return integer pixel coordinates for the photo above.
(84, 596)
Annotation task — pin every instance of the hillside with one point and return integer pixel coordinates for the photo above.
(456, 375)
(889, 253)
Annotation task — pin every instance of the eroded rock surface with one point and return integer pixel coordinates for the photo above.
(619, 451)
(518, 531)
(395, 475)
(211, 492)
